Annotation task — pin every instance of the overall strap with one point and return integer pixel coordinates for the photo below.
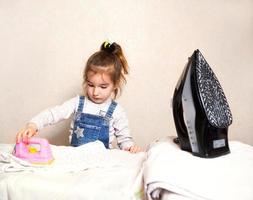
(111, 109)
(81, 103)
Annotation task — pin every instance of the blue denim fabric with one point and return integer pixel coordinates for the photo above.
(89, 128)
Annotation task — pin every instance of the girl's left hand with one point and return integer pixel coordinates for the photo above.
(133, 149)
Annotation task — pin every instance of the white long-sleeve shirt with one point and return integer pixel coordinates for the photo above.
(118, 126)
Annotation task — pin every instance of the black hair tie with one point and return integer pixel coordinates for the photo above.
(108, 47)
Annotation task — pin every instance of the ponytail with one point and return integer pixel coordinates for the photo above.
(116, 49)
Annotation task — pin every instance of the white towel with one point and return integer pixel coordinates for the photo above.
(228, 177)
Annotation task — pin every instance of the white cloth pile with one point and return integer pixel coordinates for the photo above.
(66, 159)
(173, 171)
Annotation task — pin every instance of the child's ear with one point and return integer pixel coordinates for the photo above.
(116, 88)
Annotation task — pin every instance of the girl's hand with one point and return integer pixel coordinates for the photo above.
(133, 149)
(29, 131)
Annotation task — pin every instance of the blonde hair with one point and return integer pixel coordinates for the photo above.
(110, 60)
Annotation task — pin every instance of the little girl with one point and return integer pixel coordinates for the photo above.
(96, 115)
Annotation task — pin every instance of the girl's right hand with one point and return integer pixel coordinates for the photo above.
(133, 149)
(29, 131)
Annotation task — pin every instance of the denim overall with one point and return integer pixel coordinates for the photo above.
(89, 128)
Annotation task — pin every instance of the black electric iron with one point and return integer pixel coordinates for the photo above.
(200, 110)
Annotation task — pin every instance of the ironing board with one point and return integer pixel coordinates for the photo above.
(86, 172)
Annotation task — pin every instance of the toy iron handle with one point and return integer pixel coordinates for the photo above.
(40, 141)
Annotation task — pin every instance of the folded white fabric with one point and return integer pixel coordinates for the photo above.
(66, 159)
(228, 177)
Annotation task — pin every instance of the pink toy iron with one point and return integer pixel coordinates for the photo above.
(36, 151)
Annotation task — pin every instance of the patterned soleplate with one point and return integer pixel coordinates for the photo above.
(212, 96)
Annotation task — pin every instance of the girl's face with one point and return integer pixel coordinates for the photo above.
(99, 87)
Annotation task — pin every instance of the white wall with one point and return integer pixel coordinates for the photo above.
(45, 43)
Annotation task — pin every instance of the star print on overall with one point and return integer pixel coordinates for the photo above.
(79, 132)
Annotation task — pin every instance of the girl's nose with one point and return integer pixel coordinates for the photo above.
(95, 91)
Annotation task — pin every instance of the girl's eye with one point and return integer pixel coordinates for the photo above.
(90, 85)
(103, 87)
